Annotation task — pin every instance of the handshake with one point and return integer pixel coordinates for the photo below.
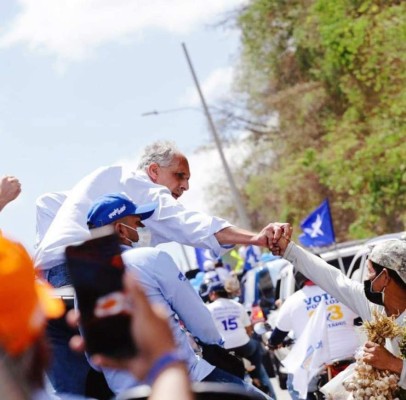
(278, 236)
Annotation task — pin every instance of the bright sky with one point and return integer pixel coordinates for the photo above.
(76, 75)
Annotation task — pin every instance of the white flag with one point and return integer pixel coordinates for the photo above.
(310, 351)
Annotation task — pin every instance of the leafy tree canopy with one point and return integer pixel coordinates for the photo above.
(333, 72)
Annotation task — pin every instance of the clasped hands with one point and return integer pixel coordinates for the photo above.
(276, 237)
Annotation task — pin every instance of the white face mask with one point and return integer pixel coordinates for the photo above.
(144, 236)
(134, 245)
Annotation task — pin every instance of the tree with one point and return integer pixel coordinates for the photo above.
(333, 73)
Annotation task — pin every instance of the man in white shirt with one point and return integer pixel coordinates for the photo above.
(47, 206)
(162, 176)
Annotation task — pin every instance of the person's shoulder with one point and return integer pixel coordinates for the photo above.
(151, 255)
(293, 300)
(228, 303)
(141, 252)
(142, 179)
(313, 290)
(51, 196)
(217, 304)
(232, 301)
(296, 296)
(140, 176)
(210, 306)
(239, 306)
(102, 175)
(106, 169)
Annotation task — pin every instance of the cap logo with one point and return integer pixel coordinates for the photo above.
(181, 277)
(117, 211)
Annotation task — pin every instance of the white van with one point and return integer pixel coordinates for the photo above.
(358, 267)
(340, 256)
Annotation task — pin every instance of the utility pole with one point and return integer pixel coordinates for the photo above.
(244, 220)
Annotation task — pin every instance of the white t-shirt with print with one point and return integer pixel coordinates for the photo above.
(231, 319)
(295, 312)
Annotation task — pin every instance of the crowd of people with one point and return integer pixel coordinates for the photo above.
(143, 206)
(293, 317)
(27, 303)
(162, 177)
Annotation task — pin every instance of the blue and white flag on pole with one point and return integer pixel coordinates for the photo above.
(251, 257)
(203, 255)
(318, 227)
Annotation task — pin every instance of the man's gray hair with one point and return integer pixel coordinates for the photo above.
(160, 152)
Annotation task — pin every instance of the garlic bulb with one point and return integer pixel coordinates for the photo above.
(368, 383)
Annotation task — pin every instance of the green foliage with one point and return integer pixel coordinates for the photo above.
(334, 71)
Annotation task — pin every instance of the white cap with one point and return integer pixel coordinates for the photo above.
(208, 265)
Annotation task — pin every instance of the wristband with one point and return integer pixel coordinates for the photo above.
(161, 363)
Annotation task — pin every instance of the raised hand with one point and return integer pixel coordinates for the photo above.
(10, 188)
(272, 233)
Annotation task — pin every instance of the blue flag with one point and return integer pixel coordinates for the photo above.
(251, 258)
(201, 256)
(318, 227)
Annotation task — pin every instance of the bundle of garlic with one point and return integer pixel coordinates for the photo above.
(402, 343)
(368, 382)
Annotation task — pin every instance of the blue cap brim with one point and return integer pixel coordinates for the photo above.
(146, 210)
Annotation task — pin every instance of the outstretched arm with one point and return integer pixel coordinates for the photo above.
(268, 237)
(329, 278)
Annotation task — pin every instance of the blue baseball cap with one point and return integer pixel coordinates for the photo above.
(111, 207)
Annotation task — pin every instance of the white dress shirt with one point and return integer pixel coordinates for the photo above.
(170, 221)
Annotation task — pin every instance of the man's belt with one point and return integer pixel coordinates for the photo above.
(66, 294)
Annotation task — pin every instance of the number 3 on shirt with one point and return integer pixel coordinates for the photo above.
(229, 324)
